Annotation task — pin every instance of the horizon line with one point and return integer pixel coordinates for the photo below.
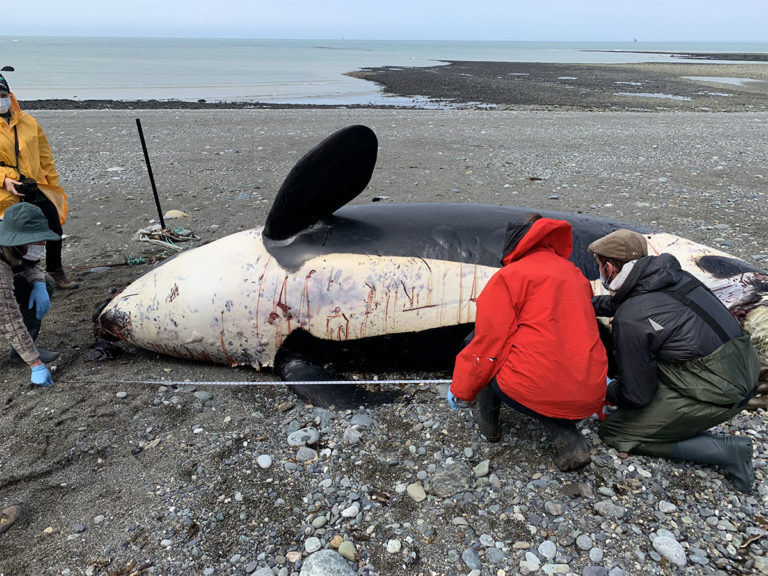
(344, 39)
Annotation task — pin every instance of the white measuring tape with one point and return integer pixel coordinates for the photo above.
(266, 382)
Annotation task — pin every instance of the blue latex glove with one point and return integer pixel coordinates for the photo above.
(40, 299)
(451, 399)
(41, 376)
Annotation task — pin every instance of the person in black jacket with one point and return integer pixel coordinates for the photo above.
(683, 363)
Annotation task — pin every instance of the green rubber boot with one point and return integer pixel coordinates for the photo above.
(733, 454)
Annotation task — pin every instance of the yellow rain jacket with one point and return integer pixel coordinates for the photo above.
(35, 160)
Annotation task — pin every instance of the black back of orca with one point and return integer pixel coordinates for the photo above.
(310, 215)
(469, 233)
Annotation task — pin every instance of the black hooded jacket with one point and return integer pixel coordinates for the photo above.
(650, 326)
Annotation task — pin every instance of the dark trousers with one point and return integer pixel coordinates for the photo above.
(513, 403)
(524, 409)
(22, 289)
(52, 247)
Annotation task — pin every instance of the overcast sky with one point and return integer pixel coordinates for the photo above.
(551, 20)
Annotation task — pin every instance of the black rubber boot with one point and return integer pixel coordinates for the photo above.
(485, 410)
(733, 454)
(46, 356)
(571, 448)
(33, 327)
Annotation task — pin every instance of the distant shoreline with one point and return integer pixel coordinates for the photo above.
(170, 104)
(680, 86)
(730, 56)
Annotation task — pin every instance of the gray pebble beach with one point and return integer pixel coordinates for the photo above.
(186, 479)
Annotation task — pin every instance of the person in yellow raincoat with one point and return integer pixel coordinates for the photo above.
(25, 155)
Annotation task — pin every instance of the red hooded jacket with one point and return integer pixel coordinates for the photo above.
(536, 331)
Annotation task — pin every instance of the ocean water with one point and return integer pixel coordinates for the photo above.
(277, 71)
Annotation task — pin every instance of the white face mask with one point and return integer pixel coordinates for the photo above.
(35, 252)
(5, 105)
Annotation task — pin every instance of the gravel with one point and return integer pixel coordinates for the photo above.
(168, 481)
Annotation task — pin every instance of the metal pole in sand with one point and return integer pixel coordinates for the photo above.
(151, 177)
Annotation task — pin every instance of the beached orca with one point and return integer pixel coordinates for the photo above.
(326, 286)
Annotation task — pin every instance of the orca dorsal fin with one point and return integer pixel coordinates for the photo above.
(327, 177)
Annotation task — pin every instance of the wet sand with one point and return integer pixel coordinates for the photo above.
(649, 87)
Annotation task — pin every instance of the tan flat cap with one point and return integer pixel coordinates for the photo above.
(622, 244)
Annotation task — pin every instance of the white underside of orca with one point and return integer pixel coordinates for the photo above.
(231, 302)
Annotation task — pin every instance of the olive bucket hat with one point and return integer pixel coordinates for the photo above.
(24, 223)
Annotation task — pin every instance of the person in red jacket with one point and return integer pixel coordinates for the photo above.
(536, 344)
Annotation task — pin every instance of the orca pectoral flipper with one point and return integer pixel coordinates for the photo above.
(340, 396)
(327, 177)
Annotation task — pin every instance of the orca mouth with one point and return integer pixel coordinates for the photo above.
(113, 325)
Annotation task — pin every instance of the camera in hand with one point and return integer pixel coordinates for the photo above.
(29, 189)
